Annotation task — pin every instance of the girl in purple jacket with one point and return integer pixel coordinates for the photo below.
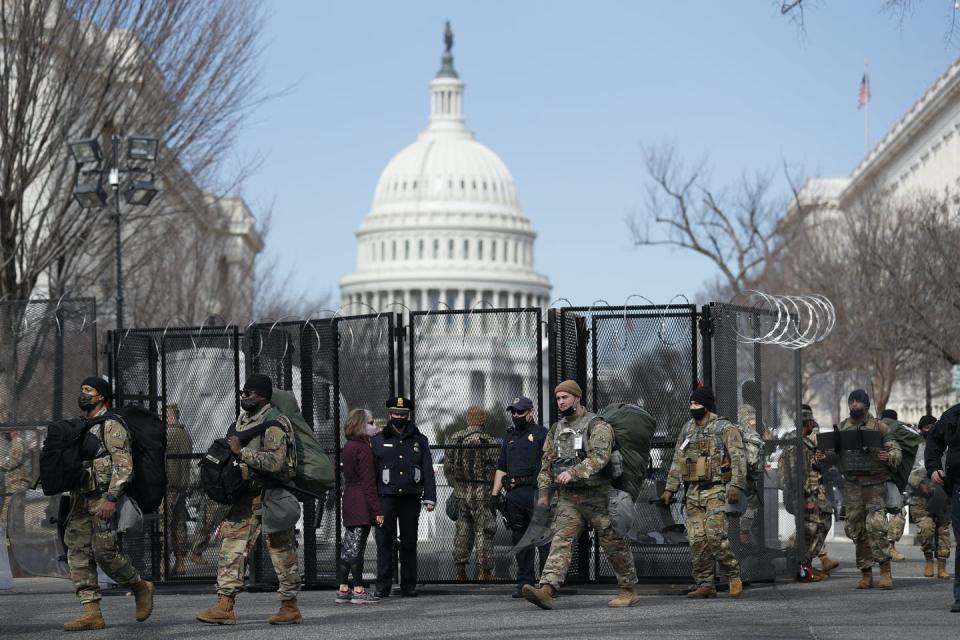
(361, 506)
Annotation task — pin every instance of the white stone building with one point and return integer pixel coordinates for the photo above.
(445, 229)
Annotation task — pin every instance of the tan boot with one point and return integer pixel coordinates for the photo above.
(866, 579)
(143, 596)
(289, 613)
(179, 567)
(927, 565)
(541, 596)
(942, 568)
(91, 619)
(828, 564)
(895, 555)
(819, 576)
(220, 613)
(462, 573)
(736, 587)
(486, 575)
(627, 597)
(702, 592)
(886, 578)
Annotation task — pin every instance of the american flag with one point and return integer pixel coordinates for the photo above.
(864, 96)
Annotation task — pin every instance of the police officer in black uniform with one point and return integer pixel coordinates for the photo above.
(943, 446)
(405, 482)
(517, 469)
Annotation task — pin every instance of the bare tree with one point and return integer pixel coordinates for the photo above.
(736, 227)
(795, 10)
(185, 72)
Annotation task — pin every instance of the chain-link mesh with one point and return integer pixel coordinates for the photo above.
(46, 349)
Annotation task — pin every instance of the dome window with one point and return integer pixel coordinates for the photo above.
(493, 251)
(479, 249)
(393, 250)
(420, 250)
(484, 184)
(463, 184)
(450, 249)
(406, 249)
(436, 249)
(474, 185)
(466, 249)
(414, 185)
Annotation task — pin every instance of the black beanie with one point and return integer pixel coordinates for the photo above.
(750, 392)
(704, 396)
(101, 385)
(925, 420)
(259, 384)
(888, 413)
(859, 395)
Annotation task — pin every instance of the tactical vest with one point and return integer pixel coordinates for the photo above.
(571, 442)
(862, 463)
(703, 456)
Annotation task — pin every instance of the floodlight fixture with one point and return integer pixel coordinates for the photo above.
(85, 151)
(142, 149)
(140, 192)
(89, 193)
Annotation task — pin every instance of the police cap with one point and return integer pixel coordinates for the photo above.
(399, 403)
(521, 403)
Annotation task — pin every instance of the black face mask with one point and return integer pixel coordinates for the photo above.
(857, 414)
(698, 414)
(85, 402)
(250, 405)
(569, 411)
(399, 424)
(520, 422)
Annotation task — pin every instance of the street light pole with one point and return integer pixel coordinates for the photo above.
(114, 179)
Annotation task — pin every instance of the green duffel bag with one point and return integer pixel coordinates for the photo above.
(315, 471)
(633, 428)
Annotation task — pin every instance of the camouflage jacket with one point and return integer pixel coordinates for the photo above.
(471, 461)
(726, 461)
(112, 468)
(866, 467)
(178, 469)
(595, 437)
(813, 489)
(15, 464)
(271, 453)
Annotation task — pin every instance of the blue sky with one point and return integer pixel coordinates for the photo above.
(567, 93)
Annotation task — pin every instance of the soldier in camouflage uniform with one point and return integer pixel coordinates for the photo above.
(178, 488)
(709, 460)
(264, 458)
(898, 520)
(865, 473)
(213, 515)
(90, 534)
(747, 418)
(470, 470)
(576, 450)
(817, 510)
(933, 530)
(15, 465)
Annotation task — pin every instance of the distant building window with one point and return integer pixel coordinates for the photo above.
(463, 184)
(436, 249)
(383, 251)
(450, 249)
(479, 249)
(420, 250)
(406, 249)
(466, 249)
(478, 387)
(493, 251)
(393, 250)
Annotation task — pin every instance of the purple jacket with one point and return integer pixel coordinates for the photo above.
(360, 502)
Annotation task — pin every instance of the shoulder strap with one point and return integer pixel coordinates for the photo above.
(249, 434)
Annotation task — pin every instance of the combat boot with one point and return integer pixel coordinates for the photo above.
(486, 575)
(886, 578)
(895, 555)
(461, 573)
(143, 597)
(220, 613)
(736, 587)
(828, 564)
(942, 568)
(866, 579)
(541, 596)
(91, 619)
(702, 592)
(289, 613)
(819, 576)
(927, 565)
(627, 597)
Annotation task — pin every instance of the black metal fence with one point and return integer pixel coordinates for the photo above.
(447, 361)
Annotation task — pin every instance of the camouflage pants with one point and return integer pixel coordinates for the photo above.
(575, 510)
(475, 524)
(92, 543)
(750, 513)
(898, 523)
(213, 515)
(816, 526)
(11, 513)
(707, 532)
(176, 526)
(239, 532)
(866, 523)
(932, 531)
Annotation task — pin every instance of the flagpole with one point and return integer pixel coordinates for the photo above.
(866, 113)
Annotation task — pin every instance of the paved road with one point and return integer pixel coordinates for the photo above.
(917, 608)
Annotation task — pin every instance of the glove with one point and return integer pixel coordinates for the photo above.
(733, 495)
(494, 503)
(666, 497)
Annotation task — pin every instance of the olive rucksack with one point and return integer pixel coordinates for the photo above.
(909, 440)
(633, 429)
(315, 471)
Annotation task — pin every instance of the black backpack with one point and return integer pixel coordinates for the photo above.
(67, 444)
(148, 436)
(220, 474)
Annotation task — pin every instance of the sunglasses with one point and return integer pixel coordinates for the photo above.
(518, 413)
